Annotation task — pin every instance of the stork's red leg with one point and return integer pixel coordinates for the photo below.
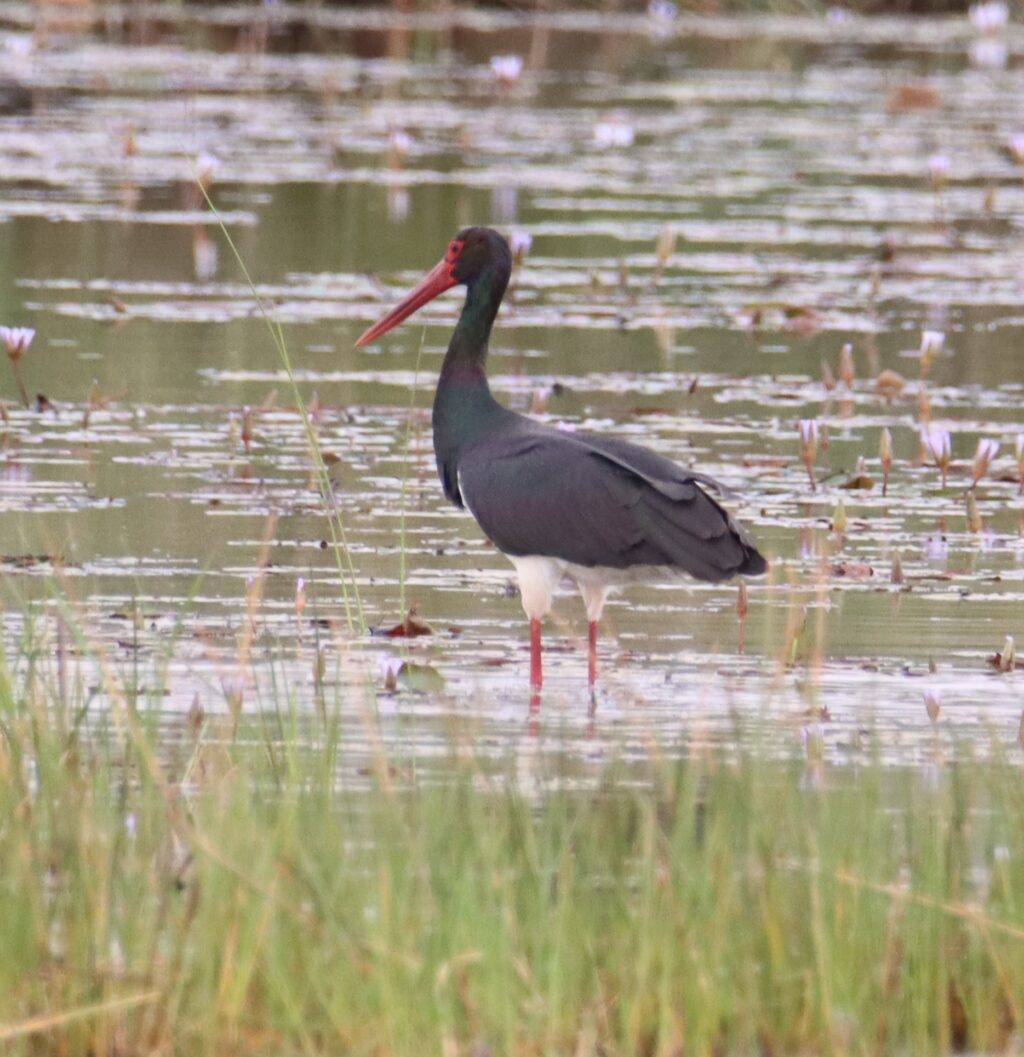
(592, 652)
(536, 678)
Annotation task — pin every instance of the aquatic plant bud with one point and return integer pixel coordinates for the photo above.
(809, 433)
(666, 244)
(742, 602)
(896, 573)
(932, 342)
(300, 597)
(839, 518)
(519, 243)
(885, 456)
(16, 340)
(933, 703)
(846, 371)
(986, 452)
(246, 426)
(1008, 655)
(974, 521)
(506, 69)
(938, 444)
(828, 379)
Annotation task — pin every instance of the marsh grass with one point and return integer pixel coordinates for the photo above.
(239, 887)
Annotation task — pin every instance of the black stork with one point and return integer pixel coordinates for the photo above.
(596, 509)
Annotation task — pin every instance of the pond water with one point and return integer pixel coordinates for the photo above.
(826, 182)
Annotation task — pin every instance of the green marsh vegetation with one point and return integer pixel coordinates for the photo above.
(233, 885)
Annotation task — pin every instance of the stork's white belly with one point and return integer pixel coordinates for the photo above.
(539, 577)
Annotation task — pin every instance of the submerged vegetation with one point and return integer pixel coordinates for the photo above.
(247, 892)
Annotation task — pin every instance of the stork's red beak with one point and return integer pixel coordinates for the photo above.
(435, 282)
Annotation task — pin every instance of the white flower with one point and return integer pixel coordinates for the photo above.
(988, 449)
(989, 16)
(1016, 146)
(938, 443)
(16, 340)
(519, 243)
(507, 68)
(932, 341)
(613, 131)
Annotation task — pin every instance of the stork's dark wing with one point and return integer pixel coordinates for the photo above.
(561, 495)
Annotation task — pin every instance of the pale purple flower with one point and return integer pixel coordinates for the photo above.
(938, 443)
(507, 68)
(400, 142)
(808, 428)
(613, 131)
(16, 340)
(989, 16)
(519, 243)
(662, 14)
(1016, 146)
(987, 450)
(207, 165)
(988, 53)
(938, 166)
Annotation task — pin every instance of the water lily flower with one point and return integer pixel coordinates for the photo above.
(519, 243)
(507, 69)
(662, 14)
(939, 445)
(931, 344)
(16, 340)
(207, 165)
(988, 53)
(399, 142)
(1015, 145)
(986, 452)
(989, 16)
(938, 167)
(300, 597)
(613, 131)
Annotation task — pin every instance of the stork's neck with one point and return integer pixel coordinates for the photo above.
(464, 410)
(467, 351)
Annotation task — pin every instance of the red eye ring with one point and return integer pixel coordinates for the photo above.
(455, 247)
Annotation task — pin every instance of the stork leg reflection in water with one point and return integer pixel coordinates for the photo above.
(601, 511)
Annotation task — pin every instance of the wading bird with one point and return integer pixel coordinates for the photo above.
(601, 511)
